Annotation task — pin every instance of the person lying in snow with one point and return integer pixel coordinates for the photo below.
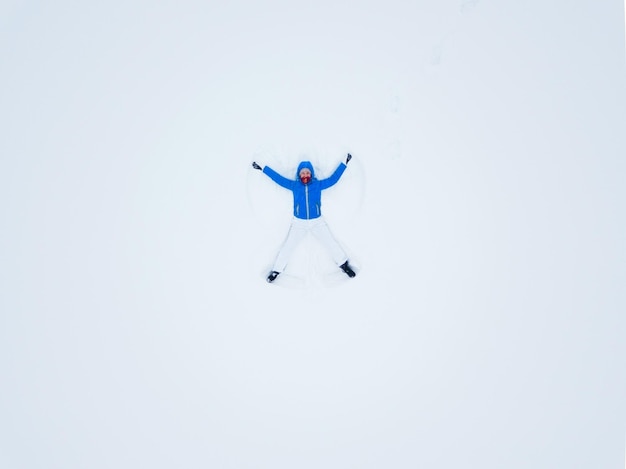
(307, 214)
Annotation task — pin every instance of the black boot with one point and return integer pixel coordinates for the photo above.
(347, 269)
(272, 276)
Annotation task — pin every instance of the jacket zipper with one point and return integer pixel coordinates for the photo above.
(306, 195)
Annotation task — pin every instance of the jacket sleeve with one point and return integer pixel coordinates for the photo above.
(333, 178)
(277, 178)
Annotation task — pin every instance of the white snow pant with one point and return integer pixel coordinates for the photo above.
(298, 230)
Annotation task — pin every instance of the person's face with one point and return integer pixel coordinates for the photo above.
(305, 175)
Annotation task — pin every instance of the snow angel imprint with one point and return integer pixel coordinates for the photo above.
(307, 214)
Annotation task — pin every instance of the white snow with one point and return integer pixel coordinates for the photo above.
(483, 207)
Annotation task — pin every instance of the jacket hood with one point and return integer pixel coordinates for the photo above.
(305, 164)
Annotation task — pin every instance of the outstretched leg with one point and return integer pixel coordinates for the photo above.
(326, 238)
(296, 233)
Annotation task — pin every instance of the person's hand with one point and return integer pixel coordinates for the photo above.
(255, 165)
(348, 158)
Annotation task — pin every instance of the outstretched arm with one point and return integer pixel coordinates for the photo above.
(277, 178)
(334, 178)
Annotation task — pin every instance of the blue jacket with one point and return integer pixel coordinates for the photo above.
(307, 198)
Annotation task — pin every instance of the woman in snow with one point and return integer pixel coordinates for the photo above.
(307, 215)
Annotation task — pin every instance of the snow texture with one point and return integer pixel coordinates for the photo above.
(484, 209)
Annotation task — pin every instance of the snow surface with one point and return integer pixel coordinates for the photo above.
(484, 208)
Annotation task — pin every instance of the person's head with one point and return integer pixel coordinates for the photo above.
(305, 172)
(305, 175)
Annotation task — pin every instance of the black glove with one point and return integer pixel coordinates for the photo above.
(348, 158)
(256, 166)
